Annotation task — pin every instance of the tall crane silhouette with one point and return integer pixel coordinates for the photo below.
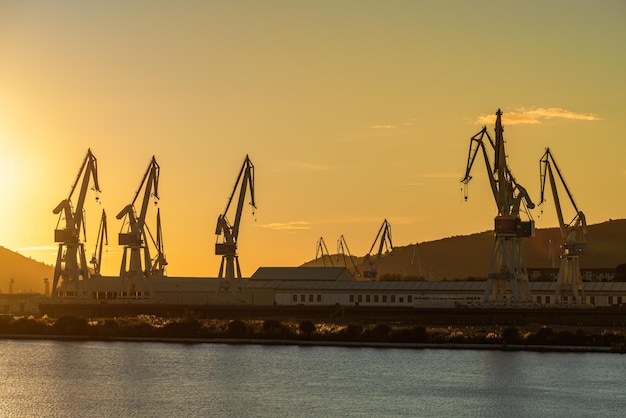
(573, 235)
(508, 276)
(71, 262)
(228, 234)
(135, 269)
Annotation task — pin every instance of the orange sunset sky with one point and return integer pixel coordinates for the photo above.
(351, 111)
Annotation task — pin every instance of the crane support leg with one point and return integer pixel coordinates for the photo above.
(569, 285)
(508, 277)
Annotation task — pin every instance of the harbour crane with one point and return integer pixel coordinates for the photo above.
(228, 234)
(135, 270)
(573, 235)
(508, 276)
(71, 263)
(102, 240)
(342, 248)
(384, 239)
(320, 248)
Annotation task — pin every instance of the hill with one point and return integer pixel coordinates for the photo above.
(462, 257)
(28, 274)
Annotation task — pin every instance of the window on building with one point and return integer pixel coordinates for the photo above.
(295, 298)
(375, 298)
(409, 298)
(310, 298)
(547, 299)
(319, 298)
(351, 298)
(302, 298)
(393, 298)
(610, 300)
(360, 298)
(401, 299)
(384, 298)
(538, 299)
(368, 298)
(592, 300)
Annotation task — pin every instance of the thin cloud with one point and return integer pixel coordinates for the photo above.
(383, 126)
(288, 226)
(535, 116)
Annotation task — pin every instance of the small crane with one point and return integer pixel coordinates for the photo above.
(573, 234)
(507, 276)
(136, 264)
(103, 239)
(384, 238)
(229, 233)
(71, 263)
(342, 248)
(320, 248)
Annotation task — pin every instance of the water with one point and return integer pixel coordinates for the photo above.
(110, 379)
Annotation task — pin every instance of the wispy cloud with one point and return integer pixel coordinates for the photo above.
(535, 116)
(287, 226)
(382, 126)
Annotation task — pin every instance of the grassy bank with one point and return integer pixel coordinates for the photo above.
(190, 329)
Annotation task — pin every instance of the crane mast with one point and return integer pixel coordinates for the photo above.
(230, 271)
(320, 249)
(71, 262)
(573, 235)
(370, 271)
(507, 277)
(102, 240)
(135, 270)
(342, 248)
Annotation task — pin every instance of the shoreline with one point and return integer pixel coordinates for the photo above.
(315, 343)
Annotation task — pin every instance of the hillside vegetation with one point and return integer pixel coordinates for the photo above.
(468, 256)
(27, 274)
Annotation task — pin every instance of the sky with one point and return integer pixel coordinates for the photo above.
(352, 112)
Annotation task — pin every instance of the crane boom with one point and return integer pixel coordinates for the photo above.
(71, 262)
(229, 233)
(384, 239)
(102, 240)
(320, 248)
(342, 248)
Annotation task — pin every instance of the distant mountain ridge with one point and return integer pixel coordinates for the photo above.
(462, 257)
(27, 274)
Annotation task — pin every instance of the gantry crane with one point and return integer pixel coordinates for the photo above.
(507, 277)
(320, 248)
(135, 270)
(230, 271)
(342, 248)
(102, 240)
(370, 270)
(71, 263)
(573, 235)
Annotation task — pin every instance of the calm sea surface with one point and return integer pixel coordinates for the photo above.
(108, 379)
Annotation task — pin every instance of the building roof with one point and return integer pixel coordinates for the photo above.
(306, 274)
